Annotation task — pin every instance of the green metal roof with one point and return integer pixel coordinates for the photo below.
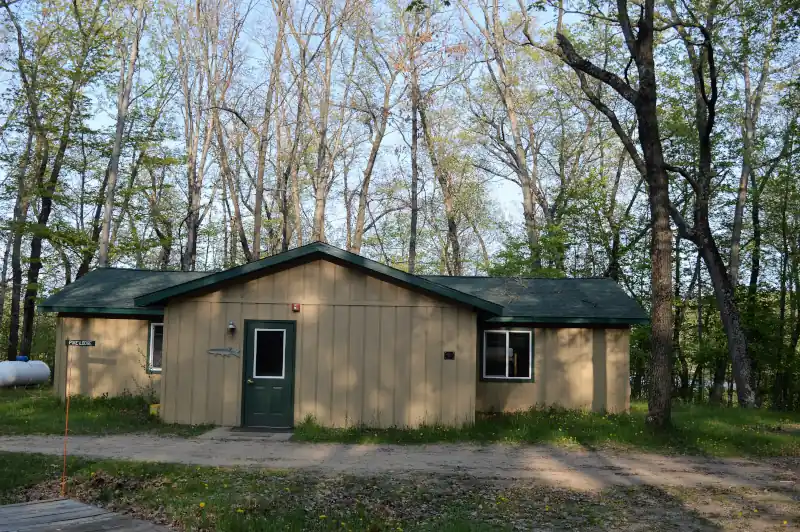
(319, 250)
(112, 291)
(536, 300)
(505, 300)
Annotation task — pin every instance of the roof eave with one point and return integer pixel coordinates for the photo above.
(138, 311)
(581, 320)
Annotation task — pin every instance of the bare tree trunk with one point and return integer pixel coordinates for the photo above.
(48, 190)
(755, 254)
(718, 384)
(4, 275)
(189, 253)
(651, 164)
(126, 75)
(795, 324)
(165, 237)
(730, 388)
(87, 253)
(481, 242)
(290, 173)
(703, 65)
(778, 398)
(195, 180)
(454, 265)
(263, 142)
(494, 35)
(48, 187)
(162, 226)
(729, 312)
(297, 224)
(412, 239)
(659, 401)
(683, 372)
(363, 194)
(752, 109)
(320, 177)
(17, 230)
(700, 318)
(195, 40)
(67, 264)
(229, 180)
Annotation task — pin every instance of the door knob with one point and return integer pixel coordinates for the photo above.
(250, 381)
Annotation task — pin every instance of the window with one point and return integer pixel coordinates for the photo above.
(508, 355)
(156, 353)
(269, 354)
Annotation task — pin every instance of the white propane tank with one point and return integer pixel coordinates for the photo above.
(13, 373)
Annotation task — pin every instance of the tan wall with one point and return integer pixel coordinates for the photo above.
(573, 368)
(116, 365)
(367, 351)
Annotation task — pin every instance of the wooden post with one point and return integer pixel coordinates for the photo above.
(66, 421)
(67, 343)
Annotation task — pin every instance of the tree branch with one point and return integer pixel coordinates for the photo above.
(684, 230)
(682, 171)
(578, 63)
(626, 140)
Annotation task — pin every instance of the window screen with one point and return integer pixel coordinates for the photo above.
(507, 354)
(495, 354)
(268, 356)
(156, 346)
(519, 355)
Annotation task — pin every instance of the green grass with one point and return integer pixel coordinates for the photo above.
(695, 429)
(38, 411)
(239, 500)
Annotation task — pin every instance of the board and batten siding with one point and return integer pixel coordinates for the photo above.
(367, 351)
(573, 368)
(115, 366)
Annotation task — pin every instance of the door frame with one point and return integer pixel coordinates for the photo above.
(289, 358)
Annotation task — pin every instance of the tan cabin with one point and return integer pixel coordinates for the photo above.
(318, 332)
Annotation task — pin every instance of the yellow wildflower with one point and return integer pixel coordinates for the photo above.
(202, 505)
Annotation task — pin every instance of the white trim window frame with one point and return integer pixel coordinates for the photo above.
(507, 334)
(255, 351)
(151, 348)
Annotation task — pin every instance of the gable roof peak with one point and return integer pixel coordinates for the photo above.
(313, 251)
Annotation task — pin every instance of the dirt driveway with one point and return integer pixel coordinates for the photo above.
(575, 469)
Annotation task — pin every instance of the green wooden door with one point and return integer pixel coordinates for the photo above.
(268, 389)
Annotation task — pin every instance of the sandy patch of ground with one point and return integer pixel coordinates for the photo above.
(573, 469)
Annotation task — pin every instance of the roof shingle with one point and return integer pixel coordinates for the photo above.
(590, 300)
(113, 290)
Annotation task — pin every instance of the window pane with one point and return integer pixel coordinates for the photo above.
(157, 346)
(519, 360)
(269, 354)
(495, 354)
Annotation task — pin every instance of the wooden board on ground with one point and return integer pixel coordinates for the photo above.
(68, 516)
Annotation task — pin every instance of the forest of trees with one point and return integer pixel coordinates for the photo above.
(652, 142)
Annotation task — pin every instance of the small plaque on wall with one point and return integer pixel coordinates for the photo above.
(449, 355)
